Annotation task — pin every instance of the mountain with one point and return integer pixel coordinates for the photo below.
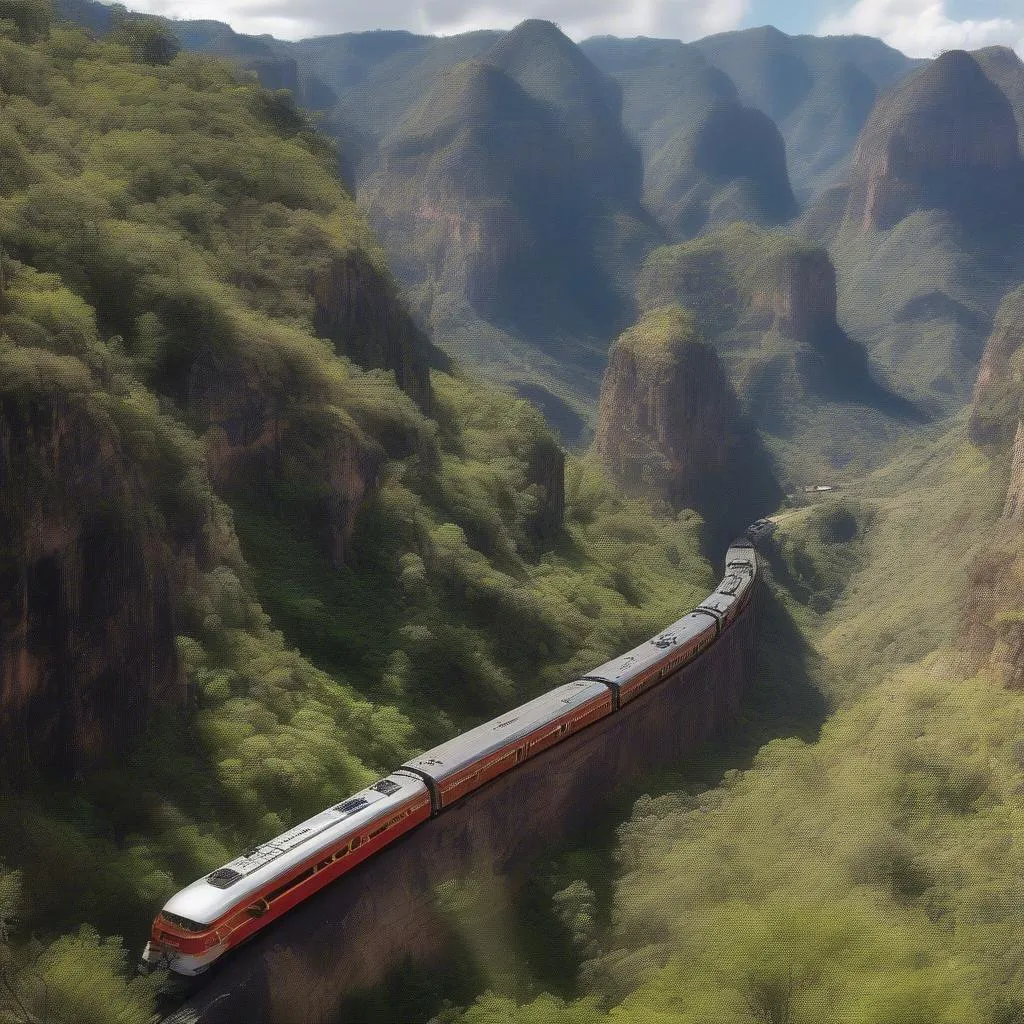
(509, 198)
(730, 166)
(670, 426)
(927, 230)
(819, 91)
(707, 159)
(767, 303)
(1006, 70)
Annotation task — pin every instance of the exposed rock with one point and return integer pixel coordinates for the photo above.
(258, 436)
(946, 137)
(87, 622)
(1000, 384)
(545, 473)
(1014, 508)
(670, 425)
(767, 302)
(357, 307)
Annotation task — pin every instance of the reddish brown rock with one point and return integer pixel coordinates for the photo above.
(996, 400)
(358, 308)
(670, 425)
(87, 623)
(258, 435)
(945, 137)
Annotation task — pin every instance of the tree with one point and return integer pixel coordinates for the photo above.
(150, 39)
(31, 18)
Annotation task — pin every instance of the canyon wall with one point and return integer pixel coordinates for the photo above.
(386, 912)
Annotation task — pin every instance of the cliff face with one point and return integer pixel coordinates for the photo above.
(945, 138)
(508, 198)
(801, 298)
(546, 474)
(87, 623)
(768, 304)
(993, 633)
(670, 425)
(258, 436)
(359, 310)
(995, 403)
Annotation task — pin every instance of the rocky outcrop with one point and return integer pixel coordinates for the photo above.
(545, 474)
(997, 394)
(258, 437)
(357, 308)
(87, 619)
(767, 302)
(944, 138)
(801, 297)
(670, 425)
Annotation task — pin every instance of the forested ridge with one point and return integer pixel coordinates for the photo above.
(353, 570)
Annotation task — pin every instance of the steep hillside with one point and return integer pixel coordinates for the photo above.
(730, 166)
(707, 159)
(767, 303)
(928, 230)
(509, 196)
(819, 91)
(670, 426)
(255, 549)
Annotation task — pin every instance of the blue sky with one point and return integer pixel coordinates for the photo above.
(918, 27)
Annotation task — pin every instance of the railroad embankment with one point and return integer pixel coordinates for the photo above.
(357, 930)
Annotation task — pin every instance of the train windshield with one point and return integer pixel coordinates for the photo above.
(183, 922)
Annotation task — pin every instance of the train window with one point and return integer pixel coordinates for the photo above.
(356, 842)
(223, 878)
(290, 884)
(257, 909)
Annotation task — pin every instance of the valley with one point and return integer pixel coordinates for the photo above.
(356, 389)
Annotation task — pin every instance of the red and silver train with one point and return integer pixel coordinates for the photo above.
(211, 916)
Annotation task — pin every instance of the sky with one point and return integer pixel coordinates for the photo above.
(920, 28)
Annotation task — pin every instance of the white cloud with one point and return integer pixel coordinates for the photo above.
(293, 19)
(922, 28)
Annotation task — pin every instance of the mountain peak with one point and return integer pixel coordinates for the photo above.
(928, 140)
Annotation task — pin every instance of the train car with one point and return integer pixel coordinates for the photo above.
(463, 764)
(733, 594)
(637, 670)
(224, 908)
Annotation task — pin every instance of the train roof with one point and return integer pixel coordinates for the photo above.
(448, 758)
(211, 896)
(626, 666)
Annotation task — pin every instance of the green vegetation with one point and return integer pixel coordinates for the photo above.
(660, 332)
(393, 576)
(867, 873)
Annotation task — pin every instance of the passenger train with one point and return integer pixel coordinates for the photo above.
(213, 915)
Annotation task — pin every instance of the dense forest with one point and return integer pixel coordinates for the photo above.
(168, 227)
